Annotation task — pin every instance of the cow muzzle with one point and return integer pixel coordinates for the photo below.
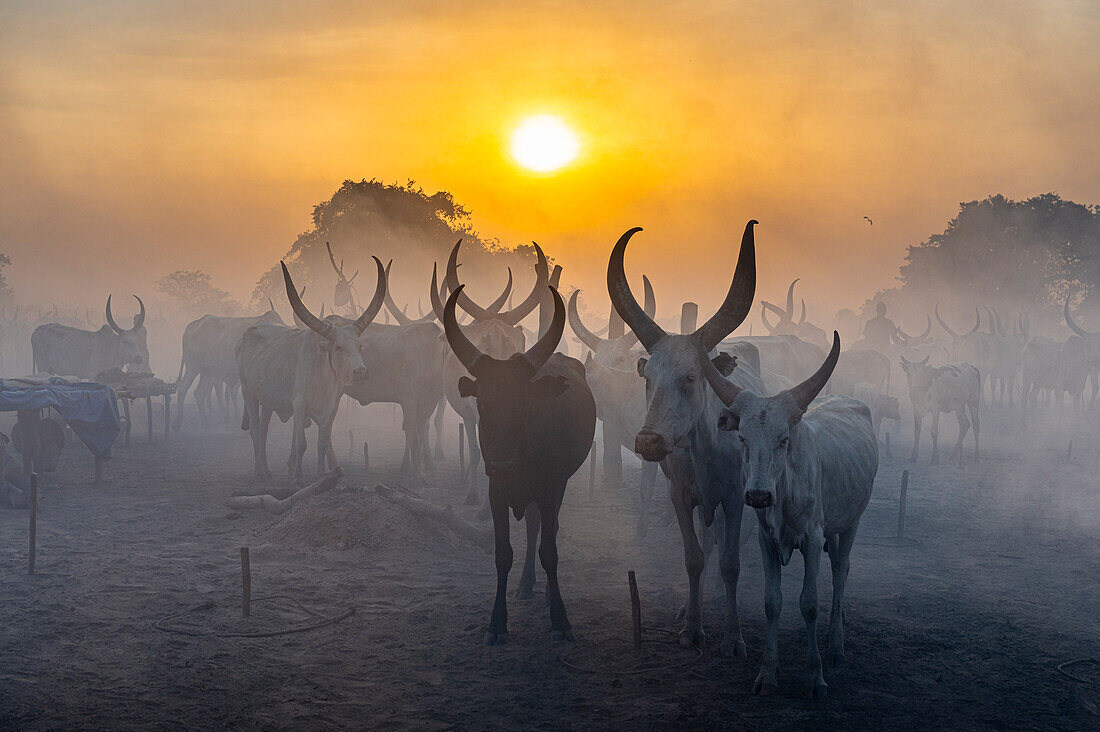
(360, 375)
(651, 446)
(759, 499)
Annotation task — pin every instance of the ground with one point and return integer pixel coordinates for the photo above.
(961, 630)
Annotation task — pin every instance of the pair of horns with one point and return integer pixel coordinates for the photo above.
(437, 296)
(802, 394)
(953, 334)
(730, 315)
(1073, 326)
(592, 340)
(322, 327)
(511, 317)
(469, 354)
(138, 321)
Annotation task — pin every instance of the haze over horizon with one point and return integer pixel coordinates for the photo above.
(142, 138)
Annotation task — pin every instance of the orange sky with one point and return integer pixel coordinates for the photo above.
(141, 137)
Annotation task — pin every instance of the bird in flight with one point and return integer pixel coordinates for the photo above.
(872, 223)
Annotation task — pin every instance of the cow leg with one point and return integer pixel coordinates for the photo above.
(181, 392)
(560, 629)
(733, 644)
(692, 634)
(977, 425)
(918, 420)
(807, 603)
(936, 437)
(440, 409)
(202, 398)
(427, 459)
(533, 519)
(252, 411)
(839, 561)
(475, 459)
(324, 445)
(645, 492)
(612, 459)
(265, 425)
(766, 682)
(218, 395)
(497, 634)
(297, 450)
(964, 427)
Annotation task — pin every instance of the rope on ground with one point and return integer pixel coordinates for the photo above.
(1061, 668)
(633, 671)
(210, 605)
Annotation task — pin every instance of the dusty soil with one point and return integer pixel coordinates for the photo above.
(961, 630)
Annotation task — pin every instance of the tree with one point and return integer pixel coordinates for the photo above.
(402, 222)
(193, 293)
(6, 292)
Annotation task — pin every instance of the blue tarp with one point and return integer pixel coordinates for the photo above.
(89, 409)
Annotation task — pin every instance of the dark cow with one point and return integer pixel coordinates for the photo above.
(537, 420)
(67, 351)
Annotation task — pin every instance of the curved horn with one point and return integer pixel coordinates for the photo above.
(622, 299)
(511, 317)
(763, 315)
(649, 301)
(790, 300)
(726, 390)
(774, 309)
(435, 293)
(270, 304)
(538, 354)
(802, 318)
(928, 328)
(139, 319)
(738, 300)
(308, 319)
(399, 314)
(380, 290)
(805, 392)
(977, 321)
(944, 325)
(496, 305)
(1073, 326)
(586, 336)
(467, 353)
(990, 323)
(111, 318)
(332, 259)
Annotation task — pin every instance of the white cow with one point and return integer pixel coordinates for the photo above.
(808, 472)
(956, 387)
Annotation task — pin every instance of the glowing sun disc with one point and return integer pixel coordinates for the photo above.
(544, 143)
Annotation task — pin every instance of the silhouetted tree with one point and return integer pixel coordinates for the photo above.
(5, 289)
(192, 292)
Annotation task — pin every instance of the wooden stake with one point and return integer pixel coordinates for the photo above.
(901, 503)
(246, 584)
(635, 608)
(33, 533)
(366, 456)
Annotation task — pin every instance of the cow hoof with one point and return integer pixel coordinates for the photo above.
(693, 638)
(765, 684)
(815, 687)
(560, 636)
(496, 639)
(732, 648)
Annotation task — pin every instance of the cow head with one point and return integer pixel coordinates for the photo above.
(918, 375)
(505, 388)
(674, 377)
(129, 346)
(615, 352)
(339, 337)
(765, 425)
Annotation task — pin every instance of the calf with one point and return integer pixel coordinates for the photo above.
(808, 472)
(537, 419)
(956, 387)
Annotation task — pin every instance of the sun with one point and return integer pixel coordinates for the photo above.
(544, 143)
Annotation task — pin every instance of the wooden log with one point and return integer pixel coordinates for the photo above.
(271, 504)
(635, 608)
(901, 503)
(246, 583)
(33, 532)
(445, 516)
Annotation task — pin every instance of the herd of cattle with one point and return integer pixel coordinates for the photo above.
(787, 424)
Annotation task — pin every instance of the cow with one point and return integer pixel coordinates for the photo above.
(680, 429)
(301, 374)
(497, 334)
(1092, 346)
(808, 471)
(785, 356)
(209, 345)
(1055, 368)
(537, 419)
(860, 365)
(66, 351)
(1004, 359)
(881, 405)
(955, 387)
(974, 347)
(786, 324)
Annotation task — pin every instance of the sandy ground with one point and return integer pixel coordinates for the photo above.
(961, 630)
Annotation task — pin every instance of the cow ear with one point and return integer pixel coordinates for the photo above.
(641, 366)
(324, 346)
(728, 421)
(725, 363)
(548, 387)
(467, 387)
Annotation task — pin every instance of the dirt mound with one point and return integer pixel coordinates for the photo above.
(359, 519)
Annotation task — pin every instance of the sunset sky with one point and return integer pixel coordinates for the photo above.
(140, 137)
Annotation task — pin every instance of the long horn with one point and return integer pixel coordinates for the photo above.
(738, 300)
(111, 318)
(467, 353)
(538, 354)
(339, 270)
(802, 318)
(511, 317)
(308, 319)
(398, 313)
(622, 299)
(139, 320)
(805, 392)
(928, 328)
(764, 317)
(1073, 326)
(270, 304)
(990, 322)
(434, 294)
(977, 321)
(1000, 326)
(496, 305)
(587, 337)
(649, 301)
(726, 390)
(944, 325)
(774, 309)
(790, 300)
(380, 290)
